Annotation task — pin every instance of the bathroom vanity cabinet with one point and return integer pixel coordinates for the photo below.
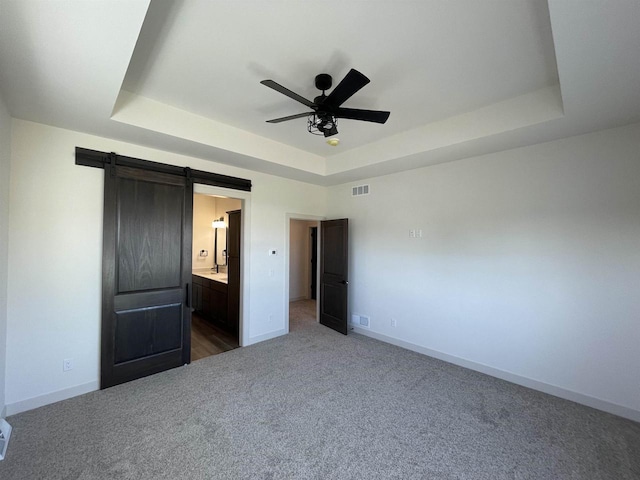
(209, 299)
(216, 296)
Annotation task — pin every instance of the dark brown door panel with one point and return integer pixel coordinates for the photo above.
(334, 274)
(146, 274)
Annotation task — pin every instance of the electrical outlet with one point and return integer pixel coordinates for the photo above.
(394, 323)
(67, 364)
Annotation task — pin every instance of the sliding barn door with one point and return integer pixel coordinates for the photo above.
(334, 274)
(146, 274)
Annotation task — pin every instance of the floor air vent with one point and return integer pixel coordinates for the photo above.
(5, 434)
(360, 190)
(360, 321)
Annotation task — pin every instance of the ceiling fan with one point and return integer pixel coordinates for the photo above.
(327, 108)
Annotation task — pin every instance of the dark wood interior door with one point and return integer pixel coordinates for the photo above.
(314, 262)
(233, 270)
(146, 314)
(334, 274)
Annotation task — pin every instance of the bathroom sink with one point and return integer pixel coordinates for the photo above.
(222, 277)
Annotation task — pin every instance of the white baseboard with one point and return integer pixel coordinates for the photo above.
(52, 397)
(267, 336)
(604, 405)
(581, 398)
(297, 298)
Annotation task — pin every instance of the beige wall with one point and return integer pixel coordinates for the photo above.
(207, 208)
(204, 212)
(5, 167)
(53, 199)
(528, 266)
(299, 259)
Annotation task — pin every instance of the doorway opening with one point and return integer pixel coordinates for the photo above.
(215, 265)
(303, 273)
(147, 262)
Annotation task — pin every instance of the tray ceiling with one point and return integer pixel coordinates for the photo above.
(460, 78)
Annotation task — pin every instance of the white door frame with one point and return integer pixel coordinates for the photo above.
(287, 252)
(245, 242)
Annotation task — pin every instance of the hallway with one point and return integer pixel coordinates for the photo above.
(302, 315)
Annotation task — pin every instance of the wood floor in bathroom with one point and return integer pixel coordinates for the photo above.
(207, 340)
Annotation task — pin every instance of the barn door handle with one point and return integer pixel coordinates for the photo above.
(188, 300)
(344, 282)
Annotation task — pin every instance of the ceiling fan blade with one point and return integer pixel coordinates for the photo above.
(285, 91)
(290, 117)
(350, 84)
(376, 116)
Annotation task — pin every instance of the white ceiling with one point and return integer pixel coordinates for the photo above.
(460, 78)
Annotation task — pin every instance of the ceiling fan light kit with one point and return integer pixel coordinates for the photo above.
(319, 124)
(326, 109)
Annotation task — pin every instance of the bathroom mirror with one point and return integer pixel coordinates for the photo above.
(220, 242)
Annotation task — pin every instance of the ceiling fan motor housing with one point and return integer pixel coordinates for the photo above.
(323, 82)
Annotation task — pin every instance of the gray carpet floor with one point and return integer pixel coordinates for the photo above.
(315, 404)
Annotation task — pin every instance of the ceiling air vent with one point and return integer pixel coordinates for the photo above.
(360, 190)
